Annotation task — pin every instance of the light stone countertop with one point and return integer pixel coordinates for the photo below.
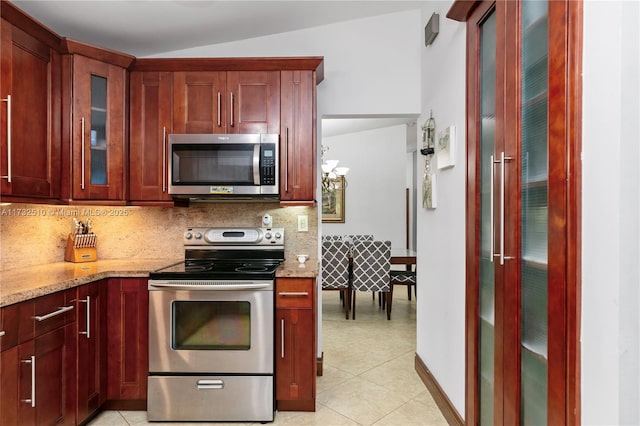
(18, 285)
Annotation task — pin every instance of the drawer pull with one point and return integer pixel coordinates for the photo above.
(293, 293)
(88, 332)
(31, 361)
(210, 384)
(1, 333)
(62, 310)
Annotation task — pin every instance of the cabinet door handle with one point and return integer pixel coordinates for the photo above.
(492, 224)
(1, 333)
(231, 121)
(88, 316)
(502, 162)
(286, 160)
(61, 310)
(219, 112)
(293, 293)
(31, 361)
(82, 153)
(282, 338)
(8, 101)
(164, 159)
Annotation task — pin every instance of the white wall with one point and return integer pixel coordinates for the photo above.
(375, 195)
(441, 232)
(371, 65)
(610, 213)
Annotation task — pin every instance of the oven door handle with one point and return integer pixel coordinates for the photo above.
(194, 285)
(210, 384)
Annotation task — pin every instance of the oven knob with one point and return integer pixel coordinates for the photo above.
(188, 236)
(198, 235)
(267, 235)
(278, 235)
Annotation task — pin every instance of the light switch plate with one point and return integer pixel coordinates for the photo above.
(303, 223)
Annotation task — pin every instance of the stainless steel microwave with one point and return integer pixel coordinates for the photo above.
(224, 166)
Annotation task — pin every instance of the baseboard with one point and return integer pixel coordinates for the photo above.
(126, 405)
(319, 364)
(442, 401)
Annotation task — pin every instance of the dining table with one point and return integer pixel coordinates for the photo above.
(403, 256)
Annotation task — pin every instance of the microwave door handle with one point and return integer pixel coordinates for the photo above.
(256, 164)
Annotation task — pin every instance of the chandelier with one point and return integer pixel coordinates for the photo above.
(331, 173)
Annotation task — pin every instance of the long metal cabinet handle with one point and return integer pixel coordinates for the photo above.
(88, 313)
(8, 101)
(256, 164)
(492, 224)
(31, 361)
(210, 384)
(231, 121)
(503, 160)
(282, 338)
(62, 310)
(82, 151)
(286, 161)
(164, 159)
(293, 293)
(219, 112)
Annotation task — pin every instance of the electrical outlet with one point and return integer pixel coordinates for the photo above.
(303, 223)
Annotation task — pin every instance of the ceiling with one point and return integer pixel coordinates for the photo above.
(147, 27)
(151, 27)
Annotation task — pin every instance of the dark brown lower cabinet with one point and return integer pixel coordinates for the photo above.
(92, 345)
(128, 343)
(295, 344)
(38, 375)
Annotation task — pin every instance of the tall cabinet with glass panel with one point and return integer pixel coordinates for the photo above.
(523, 112)
(98, 129)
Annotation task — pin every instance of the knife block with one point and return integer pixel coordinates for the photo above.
(80, 254)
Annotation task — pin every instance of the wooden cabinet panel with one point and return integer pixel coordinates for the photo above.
(128, 346)
(38, 375)
(29, 116)
(200, 102)
(295, 374)
(297, 136)
(226, 102)
(92, 355)
(150, 124)
(98, 130)
(255, 101)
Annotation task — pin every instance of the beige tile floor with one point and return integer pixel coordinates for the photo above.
(369, 375)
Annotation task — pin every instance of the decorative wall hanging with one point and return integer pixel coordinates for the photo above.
(429, 191)
(445, 149)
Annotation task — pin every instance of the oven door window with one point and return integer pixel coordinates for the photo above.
(211, 325)
(215, 164)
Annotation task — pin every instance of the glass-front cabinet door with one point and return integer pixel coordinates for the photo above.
(98, 130)
(521, 274)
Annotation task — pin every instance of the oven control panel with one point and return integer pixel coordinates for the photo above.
(207, 236)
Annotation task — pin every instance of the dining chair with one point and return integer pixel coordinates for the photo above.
(371, 266)
(331, 238)
(407, 278)
(398, 277)
(335, 270)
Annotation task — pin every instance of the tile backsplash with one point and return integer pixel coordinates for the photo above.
(35, 234)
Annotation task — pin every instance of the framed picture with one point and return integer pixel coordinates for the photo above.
(445, 148)
(333, 200)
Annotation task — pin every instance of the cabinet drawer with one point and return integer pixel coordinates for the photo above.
(294, 293)
(53, 311)
(9, 321)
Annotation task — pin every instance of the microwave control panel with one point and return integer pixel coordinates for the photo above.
(267, 164)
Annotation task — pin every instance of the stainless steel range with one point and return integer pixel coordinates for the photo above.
(211, 328)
